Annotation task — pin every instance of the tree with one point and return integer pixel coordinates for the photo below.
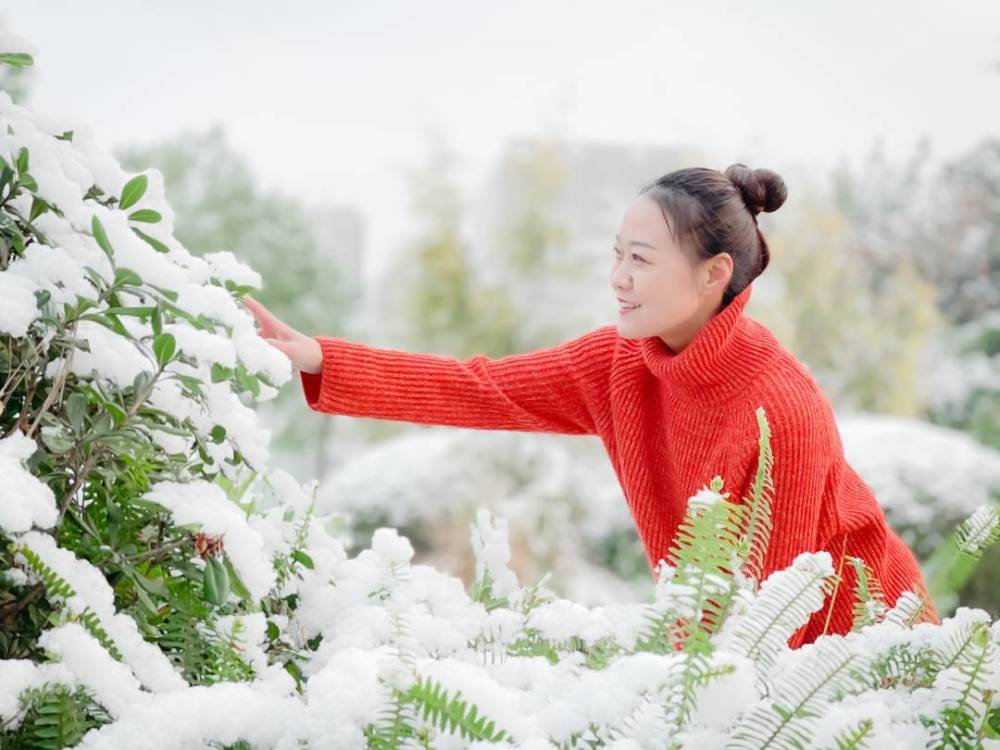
(852, 303)
(437, 299)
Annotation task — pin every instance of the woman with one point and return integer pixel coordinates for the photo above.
(671, 390)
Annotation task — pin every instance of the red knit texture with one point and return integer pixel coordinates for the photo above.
(669, 423)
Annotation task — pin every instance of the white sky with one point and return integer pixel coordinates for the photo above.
(331, 99)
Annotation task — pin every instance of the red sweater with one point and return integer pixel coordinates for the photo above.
(669, 422)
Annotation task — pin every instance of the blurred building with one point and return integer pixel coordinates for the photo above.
(544, 222)
(341, 239)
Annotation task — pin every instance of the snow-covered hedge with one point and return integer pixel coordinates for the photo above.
(161, 588)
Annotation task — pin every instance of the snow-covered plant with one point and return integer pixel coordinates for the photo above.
(161, 588)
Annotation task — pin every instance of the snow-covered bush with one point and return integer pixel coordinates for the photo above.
(560, 497)
(160, 588)
(926, 477)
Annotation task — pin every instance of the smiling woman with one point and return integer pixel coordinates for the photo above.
(687, 246)
(673, 391)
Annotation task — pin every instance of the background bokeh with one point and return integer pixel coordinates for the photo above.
(448, 177)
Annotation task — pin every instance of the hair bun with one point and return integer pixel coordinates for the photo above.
(762, 189)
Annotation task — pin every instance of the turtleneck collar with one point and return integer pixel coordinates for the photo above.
(725, 352)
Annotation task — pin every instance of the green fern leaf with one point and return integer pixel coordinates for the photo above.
(757, 526)
(451, 714)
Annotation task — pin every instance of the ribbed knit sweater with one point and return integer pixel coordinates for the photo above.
(669, 423)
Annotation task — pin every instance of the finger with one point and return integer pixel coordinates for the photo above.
(268, 325)
(269, 322)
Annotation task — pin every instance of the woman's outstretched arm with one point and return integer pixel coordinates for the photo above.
(558, 389)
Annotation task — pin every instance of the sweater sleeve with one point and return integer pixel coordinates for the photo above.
(560, 389)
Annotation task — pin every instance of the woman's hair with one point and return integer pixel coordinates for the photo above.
(711, 212)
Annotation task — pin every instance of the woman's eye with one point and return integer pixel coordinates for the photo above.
(638, 257)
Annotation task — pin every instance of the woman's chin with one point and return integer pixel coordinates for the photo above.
(628, 331)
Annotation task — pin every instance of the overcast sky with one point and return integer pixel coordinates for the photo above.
(332, 99)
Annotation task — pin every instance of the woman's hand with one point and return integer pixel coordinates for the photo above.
(304, 351)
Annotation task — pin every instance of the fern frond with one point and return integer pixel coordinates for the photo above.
(452, 714)
(693, 670)
(660, 631)
(627, 728)
(394, 725)
(966, 692)
(757, 526)
(906, 666)
(186, 643)
(958, 645)
(785, 602)
(855, 739)
(56, 717)
(909, 610)
(979, 531)
(58, 588)
(703, 553)
(787, 720)
(869, 597)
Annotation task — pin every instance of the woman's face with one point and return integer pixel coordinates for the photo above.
(650, 270)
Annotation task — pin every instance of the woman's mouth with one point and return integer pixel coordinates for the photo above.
(624, 309)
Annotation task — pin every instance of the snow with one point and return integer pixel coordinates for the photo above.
(25, 501)
(206, 505)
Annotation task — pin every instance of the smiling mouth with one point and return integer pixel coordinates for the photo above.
(627, 308)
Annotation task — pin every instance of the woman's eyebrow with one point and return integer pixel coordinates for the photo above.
(636, 242)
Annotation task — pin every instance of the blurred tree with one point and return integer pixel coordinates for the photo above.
(961, 248)
(536, 257)
(441, 305)
(220, 206)
(861, 331)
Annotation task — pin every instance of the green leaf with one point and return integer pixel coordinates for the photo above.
(28, 181)
(57, 442)
(216, 581)
(164, 347)
(76, 410)
(157, 321)
(139, 311)
(97, 228)
(221, 372)
(152, 241)
(145, 600)
(6, 176)
(134, 190)
(66, 136)
(108, 321)
(239, 588)
(218, 433)
(301, 557)
(117, 413)
(140, 381)
(38, 207)
(17, 59)
(125, 276)
(22, 160)
(147, 215)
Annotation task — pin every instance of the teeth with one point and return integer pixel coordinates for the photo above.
(627, 307)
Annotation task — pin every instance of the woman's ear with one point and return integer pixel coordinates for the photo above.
(718, 270)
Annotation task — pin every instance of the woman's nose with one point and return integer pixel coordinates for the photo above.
(619, 280)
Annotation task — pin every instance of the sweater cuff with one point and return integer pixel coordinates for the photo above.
(313, 383)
